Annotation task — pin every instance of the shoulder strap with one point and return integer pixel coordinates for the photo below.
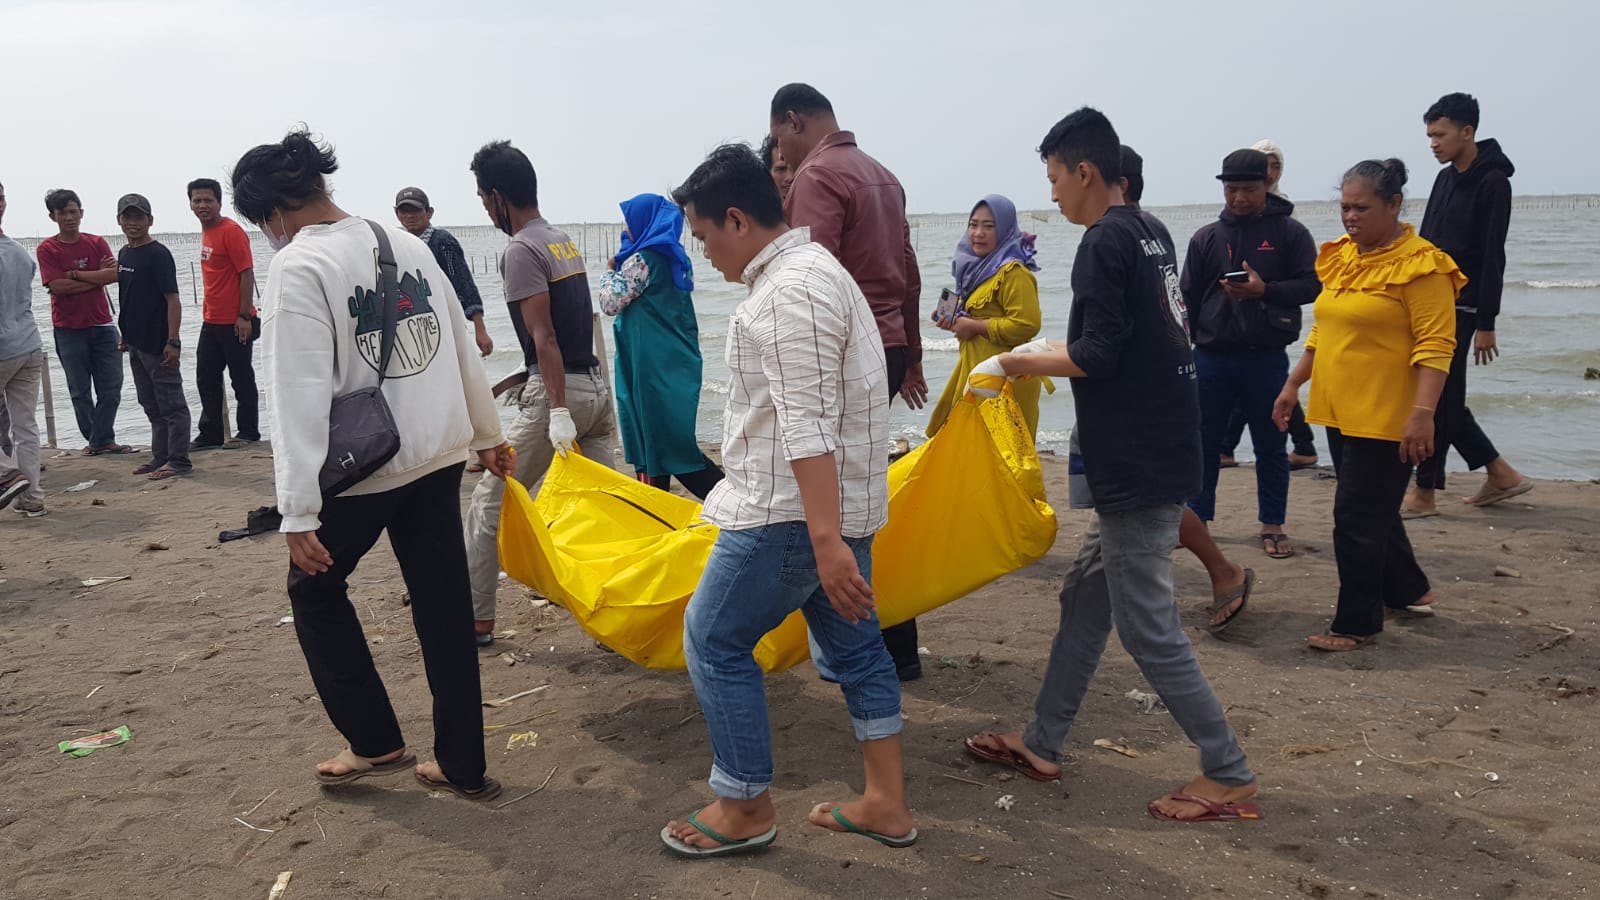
(388, 290)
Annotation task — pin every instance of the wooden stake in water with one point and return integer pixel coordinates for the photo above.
(49, 404)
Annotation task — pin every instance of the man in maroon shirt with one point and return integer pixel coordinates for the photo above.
(75, 267)
(856, 209)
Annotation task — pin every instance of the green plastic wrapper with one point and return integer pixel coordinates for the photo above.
(86, 745)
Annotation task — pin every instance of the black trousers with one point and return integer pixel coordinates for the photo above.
(901, 640)
(1453, 424)
(699, 482)
(218, 349)
(1377, 567)
(1300, 436)
(423, 519)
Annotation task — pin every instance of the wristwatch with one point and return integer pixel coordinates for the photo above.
(175, 343)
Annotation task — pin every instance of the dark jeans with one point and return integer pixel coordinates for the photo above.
(1300, 436)
(423, 519)
(1249, 382)
(1377, 567)
(218, 349)
(699, 482)
(160, 391)
(900, 639)
(93, 366)
(1453, 424)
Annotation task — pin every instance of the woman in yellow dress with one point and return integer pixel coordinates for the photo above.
(999, 302)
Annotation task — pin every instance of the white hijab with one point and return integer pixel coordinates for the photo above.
(1271, 148)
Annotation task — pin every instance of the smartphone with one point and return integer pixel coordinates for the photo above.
(1239, 277)
(949, 306)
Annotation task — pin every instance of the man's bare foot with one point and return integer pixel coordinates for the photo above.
(885, 819)
(1233, 584)
(1419, 502)
(1226, 461)
(1204, 788)
(335, 768)
(1011, 742)
(1302, 460)
(1502, 482)
(733, 819)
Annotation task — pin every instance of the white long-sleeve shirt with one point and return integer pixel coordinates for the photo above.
(322, 329)
(808, 380)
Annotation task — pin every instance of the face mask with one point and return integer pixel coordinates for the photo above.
(276, 242)
(502, 220)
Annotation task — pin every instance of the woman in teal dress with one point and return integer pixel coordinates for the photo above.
(646, 288)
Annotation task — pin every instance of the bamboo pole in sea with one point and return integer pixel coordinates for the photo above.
(49, 404)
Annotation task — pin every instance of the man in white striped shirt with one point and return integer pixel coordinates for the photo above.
(804, 448)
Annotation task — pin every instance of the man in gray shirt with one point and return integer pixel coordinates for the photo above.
(21, 363)
(565, 403)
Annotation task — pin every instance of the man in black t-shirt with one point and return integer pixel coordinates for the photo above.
(147, 295)
(1133, 385)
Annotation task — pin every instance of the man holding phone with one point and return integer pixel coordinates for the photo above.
(1245, 278)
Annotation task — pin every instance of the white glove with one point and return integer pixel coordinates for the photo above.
(563, 434)
(984, 377)
(1039, 345)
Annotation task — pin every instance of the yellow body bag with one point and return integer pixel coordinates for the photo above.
(965, 508)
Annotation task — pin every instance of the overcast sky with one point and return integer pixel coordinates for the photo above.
(614, 98)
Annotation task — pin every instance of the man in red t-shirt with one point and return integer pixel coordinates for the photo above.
(75, 267)
(229, 326)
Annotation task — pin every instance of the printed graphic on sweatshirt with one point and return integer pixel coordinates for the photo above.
(1180, 315)
(416, 336)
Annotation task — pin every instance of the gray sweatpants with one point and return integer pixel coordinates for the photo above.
(589, 402)
(1123, 576)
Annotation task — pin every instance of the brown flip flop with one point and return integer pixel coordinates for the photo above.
(490, 790)
(362, 768)
(1358, 641)
(1221, 601)
(1007, 757)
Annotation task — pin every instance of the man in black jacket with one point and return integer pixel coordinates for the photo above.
(1468, 213)
(1245, 278)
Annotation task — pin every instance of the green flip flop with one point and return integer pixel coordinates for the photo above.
(898, 843)
(726, 846)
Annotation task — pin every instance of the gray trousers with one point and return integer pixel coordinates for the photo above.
(160, 392)
(589, 402)
(1123, 576)
(19, 396)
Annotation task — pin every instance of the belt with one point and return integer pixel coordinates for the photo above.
(569, 368)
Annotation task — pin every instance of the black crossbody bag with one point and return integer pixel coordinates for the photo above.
(362, 435)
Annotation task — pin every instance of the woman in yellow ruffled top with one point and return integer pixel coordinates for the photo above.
(1376, 358)
(998, 307)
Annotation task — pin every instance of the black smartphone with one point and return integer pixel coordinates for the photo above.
(1239, 277)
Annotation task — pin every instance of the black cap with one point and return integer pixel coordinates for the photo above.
(411, 196)
(1244, 165)
(133, 201)
(1132, 163)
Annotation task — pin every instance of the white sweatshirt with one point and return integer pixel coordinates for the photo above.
(322, 328)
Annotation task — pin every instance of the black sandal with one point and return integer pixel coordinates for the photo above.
(1272, 544)
(1222, 601)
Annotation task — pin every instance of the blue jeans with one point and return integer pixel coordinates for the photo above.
(754, 579)
(93, 366)
(1250, 382)
(1123, 576)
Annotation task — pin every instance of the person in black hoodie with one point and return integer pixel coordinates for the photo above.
(1468, 213)
(1245, 278)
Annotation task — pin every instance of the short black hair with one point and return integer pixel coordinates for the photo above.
(285, 175)
(732, 177)
(498, 166)
(766, 152)
(57, 200)
(206, 184)
(802, 99)
(1085, 135)
(1387, 177)
(1459, 108)
(1132, 172)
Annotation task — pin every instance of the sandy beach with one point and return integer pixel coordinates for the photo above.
(1453, 758)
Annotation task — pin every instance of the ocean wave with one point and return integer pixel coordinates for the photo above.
(942, 345)
(1562, 285)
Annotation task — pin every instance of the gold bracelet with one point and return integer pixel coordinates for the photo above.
(1419, 406)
